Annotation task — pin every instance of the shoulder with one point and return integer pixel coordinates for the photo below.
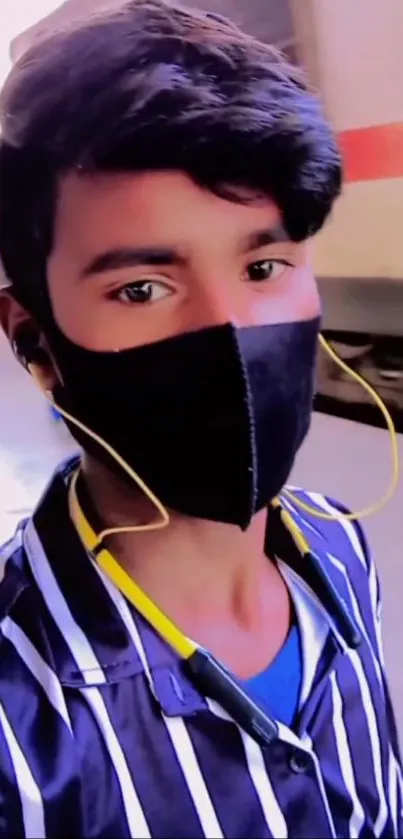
(14, 576)
(328, 524)
(344, 551)
(26, 626)
(20, 609)
(30, 694)
(17, 691)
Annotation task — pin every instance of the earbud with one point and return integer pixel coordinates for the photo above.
(27, 349)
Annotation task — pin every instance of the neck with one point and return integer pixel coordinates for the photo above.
(191, 561)
(213, 580)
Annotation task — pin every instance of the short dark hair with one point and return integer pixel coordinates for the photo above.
(146, 86)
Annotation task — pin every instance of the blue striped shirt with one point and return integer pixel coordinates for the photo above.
(102, 734)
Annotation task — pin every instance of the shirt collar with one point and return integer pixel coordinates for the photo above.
(90, 615)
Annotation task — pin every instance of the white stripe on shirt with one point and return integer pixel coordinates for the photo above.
(357, 818)
(74, 636)
(85, 657)
(352, 536)
(7, 551)
(307, 743)
(193, 776)
(37, 666)
(31, 800)
(357, 613)
(176, 728)
(313, 623)
(344, 523)
(136, 819)
(394, 772)
(255, 762)
(372, 725)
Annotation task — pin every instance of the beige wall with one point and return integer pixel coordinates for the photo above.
(353, 50)
(364, 238)
(359, 69)
(360, 60)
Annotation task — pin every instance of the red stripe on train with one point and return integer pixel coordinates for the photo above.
(373, 153)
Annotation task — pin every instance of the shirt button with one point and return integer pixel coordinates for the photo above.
(299, 762)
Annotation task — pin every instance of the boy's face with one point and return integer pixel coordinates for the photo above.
(141, 257)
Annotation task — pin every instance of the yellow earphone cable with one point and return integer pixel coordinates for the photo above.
(374, 508)
(134, 594)
(164, 515)
(164, 520)
(92, 543)
(208, 675)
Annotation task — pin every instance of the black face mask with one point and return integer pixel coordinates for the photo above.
(210, 420)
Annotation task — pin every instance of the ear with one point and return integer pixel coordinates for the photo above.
(16, 321)
(13, 317)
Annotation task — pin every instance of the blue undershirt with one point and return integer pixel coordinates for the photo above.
(278, 688)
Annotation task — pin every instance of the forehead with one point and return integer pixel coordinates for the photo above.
(165, 208)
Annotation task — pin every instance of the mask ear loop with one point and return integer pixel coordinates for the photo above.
(164, 520)
(374, 508)
(164, 515)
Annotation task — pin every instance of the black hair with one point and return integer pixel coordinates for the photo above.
(149, 85)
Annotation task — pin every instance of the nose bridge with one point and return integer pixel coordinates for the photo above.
(217, 301)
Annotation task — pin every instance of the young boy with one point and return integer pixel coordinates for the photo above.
(161, 175)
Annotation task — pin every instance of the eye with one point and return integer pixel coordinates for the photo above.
(142, 291)
(266, 269)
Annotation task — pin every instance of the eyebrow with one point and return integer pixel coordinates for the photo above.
(118, 258)
(269, 236)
